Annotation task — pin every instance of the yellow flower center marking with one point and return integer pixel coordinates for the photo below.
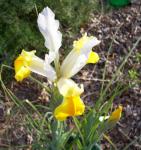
(80, 43)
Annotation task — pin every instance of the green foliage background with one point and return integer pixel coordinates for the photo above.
(18, 23)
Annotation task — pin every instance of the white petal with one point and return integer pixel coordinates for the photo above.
(75, 60)
(39, 66)
(49, 58)
(102, 118)
(50, 72)
(89, 45)
(65, 85)
(48, 26)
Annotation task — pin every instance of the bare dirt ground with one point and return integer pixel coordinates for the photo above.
(126, 23)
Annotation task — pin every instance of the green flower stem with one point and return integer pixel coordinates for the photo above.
(57, 67)
(77, 126)
(38, 82)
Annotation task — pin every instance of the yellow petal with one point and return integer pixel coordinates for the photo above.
(18, 63)
(21, 65)
(93, 58)
(116, 115)
(22, 73)
(71, 106)
(27, 57)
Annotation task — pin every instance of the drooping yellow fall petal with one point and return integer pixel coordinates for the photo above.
(21, 65)
(93, 57)
(116, 115)
(71, 106)
(22, 73)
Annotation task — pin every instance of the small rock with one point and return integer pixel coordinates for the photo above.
(128, 110)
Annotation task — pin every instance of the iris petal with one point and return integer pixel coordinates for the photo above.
(78, 57)
(71, 106)
(28, 61)
(21, 72)
(68, 87)
(93, 58)
(21, 63)
(116, 115)
(49, 27)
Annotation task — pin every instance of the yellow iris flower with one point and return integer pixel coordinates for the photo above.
(116, 115)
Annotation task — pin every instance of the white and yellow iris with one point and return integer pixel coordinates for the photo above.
(80, 55)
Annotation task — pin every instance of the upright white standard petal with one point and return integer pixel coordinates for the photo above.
(78, 57)
(50, 72)
(48, 26)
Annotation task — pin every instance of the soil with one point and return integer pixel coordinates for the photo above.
(126, 23)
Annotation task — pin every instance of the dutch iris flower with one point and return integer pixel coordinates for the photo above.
(81, 54)
(116, 115)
